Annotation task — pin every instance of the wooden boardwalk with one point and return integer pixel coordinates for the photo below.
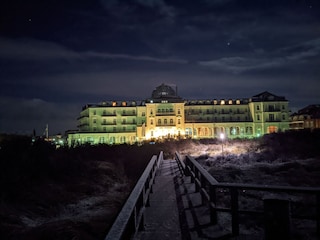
(175, 210)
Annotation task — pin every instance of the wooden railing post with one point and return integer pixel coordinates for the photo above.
(131, 217)
(212, 205)
(201, 178)
(277, 219)
(318, 214)
(234, 211)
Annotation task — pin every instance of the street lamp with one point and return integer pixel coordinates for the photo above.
(222, 138)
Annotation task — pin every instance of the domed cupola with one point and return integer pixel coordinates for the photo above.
(164, 91)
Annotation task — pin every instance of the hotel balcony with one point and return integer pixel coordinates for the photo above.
(106, 114)
(83, 116)
(165, 125)
(273, 120)
(165, 114)
(128, 123)
(83, 125)
(272, 110)
(129, 114)
(120, 130)
(108, 123)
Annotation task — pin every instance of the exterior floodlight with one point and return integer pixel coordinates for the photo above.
(221, 136)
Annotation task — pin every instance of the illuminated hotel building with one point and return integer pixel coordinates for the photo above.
(166, 115)
(306, 118)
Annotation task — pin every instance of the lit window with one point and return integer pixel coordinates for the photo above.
(222, 102)
(238, 102)
(230, 102)
(272, 129)
(114, 104)
(124, 104)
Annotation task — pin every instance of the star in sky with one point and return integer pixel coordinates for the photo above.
(56, 56)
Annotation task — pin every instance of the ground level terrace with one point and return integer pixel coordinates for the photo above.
(190, 130)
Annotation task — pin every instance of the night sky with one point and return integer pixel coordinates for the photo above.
(56, 56)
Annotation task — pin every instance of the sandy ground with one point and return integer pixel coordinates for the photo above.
(86, 210)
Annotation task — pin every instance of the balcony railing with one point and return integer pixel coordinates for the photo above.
(128, 123)
(83, 116)
(273, 120)
(128, 114)
(272, 110)
(83, 125)
(106, 114)
(108, 123)
(120, 130)
(165, 114)
(165, 124)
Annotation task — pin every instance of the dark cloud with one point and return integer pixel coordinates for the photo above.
(56, 56)
(286, 57)
(23, 115)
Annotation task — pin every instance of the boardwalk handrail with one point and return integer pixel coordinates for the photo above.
(131, 217)
(206, 184)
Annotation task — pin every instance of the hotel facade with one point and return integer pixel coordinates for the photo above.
(166, 115)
